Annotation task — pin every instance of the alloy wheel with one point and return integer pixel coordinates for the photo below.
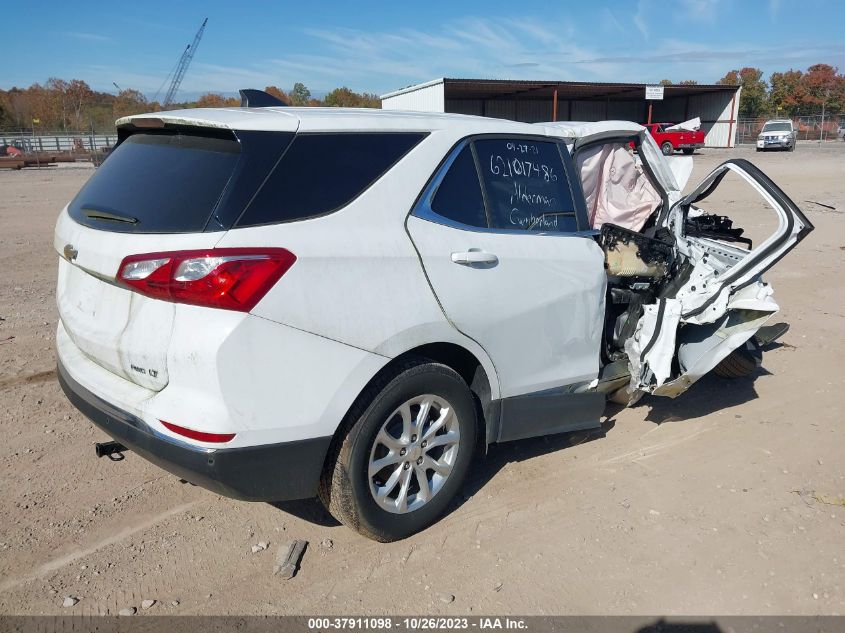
(413, 453)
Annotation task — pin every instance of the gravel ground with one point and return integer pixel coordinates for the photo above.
(728, 500)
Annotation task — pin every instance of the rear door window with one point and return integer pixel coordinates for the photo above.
(157, 183)
(526, 185)
(321, 173)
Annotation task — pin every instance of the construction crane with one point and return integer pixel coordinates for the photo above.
(182, 66)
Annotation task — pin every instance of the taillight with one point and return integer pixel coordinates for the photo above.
(202, 436)
(226, 278)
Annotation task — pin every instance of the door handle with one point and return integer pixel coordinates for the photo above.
(473, 257)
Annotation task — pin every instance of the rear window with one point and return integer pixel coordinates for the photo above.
(157, 183)
(321, 173)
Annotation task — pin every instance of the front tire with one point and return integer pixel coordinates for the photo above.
(406, 451)
(741, 362)
(667, 148)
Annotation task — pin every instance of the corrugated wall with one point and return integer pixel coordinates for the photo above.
(716, 110)
(713, 109)
(512, 109)
(424, 99)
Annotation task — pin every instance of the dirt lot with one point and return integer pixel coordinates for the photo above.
(727, 500)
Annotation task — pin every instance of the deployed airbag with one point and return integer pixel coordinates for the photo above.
(616, 188)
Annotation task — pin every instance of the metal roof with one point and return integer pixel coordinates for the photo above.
(582, 90)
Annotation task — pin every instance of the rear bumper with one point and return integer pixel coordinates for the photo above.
(690, 145)
(268, 472)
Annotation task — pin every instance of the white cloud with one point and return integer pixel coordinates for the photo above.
(705, 11)
(610, 22)
(90, 37)
(640, 19)
(496, 48)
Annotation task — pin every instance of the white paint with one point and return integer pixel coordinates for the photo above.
(360, 293)
(538, 313)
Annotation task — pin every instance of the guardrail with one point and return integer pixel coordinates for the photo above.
(74, 142)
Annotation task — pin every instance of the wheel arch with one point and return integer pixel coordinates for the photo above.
(482, 385)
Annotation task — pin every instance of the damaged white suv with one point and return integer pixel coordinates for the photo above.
(277, 303)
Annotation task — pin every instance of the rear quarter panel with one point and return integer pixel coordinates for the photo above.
(358, 278)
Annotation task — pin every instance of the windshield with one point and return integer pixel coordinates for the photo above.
(777, 127)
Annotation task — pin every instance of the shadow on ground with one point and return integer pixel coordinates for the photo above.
(708, 395)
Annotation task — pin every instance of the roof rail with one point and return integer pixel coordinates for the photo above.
(251, 98)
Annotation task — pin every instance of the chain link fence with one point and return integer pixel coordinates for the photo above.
(810, 128)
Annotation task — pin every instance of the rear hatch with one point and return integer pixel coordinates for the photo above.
(164, 188)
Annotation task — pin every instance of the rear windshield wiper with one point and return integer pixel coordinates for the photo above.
(96, 214)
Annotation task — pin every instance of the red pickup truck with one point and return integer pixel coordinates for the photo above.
(684, 140)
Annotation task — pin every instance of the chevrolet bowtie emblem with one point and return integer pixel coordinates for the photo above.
(70, 252)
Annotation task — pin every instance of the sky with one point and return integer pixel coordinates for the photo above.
(379, 47)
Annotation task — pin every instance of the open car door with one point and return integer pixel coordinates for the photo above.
(717, 300)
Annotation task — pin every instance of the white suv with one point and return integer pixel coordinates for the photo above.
(277, 303)
(778, 134)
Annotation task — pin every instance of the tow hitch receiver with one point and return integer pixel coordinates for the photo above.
(113, 450)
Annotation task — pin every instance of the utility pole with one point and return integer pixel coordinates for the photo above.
(824, 103)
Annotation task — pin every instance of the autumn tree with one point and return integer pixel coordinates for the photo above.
(216, 100)
(77, 97)
(346, 98)
(822, 84)
(300, 95)
(787, 92)
(752, 100)
(279, 94)
(685, 82)
(5, 115)
(129, 102)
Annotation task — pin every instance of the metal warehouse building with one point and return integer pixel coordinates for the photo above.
(537, 101)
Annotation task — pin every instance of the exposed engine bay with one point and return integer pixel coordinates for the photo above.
(684, 287)
(639, 269)
(648, 278)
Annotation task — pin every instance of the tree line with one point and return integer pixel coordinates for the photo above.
(74, 106)
(789, 94)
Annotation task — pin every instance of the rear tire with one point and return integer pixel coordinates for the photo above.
(373, 478)
(667, 148)
(741, 362)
